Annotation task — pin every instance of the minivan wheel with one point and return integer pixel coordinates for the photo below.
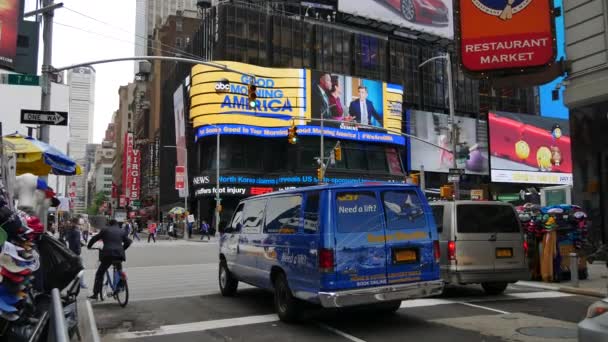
(494, 288)
(286, 306)
(228, 284)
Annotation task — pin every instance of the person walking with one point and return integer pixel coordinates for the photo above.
(135, 231)
(72, 237)
(86, 226)
(152, 231)
(205, 230)
(190, 224)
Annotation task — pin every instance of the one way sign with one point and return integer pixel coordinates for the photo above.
(42, 117)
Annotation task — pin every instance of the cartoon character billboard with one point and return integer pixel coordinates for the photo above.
(505, 34)
(529, 149)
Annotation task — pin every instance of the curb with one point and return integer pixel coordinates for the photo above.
(565, 289)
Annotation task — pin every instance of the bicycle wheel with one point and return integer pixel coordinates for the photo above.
(122, 292)
(105, 288)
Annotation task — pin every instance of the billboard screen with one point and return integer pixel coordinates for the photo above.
(428, 16)
(433, 127)
(501, 34)
(9, 25)
(298, 96)
(529, 149)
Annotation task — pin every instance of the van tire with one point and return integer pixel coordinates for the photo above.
(494, 288)
(228, 284)
(285, 304)
(388, 307)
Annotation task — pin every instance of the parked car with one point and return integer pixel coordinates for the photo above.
(482, 242)
(336, 245)
(594, 328)
(432, 12)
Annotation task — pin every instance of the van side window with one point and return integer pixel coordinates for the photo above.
(283, 215)
(438, 216)
(403, 209)
(358, 212)
(253, 216)
(311, 213)
(237, 219)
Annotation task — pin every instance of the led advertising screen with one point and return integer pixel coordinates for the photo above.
(9, 24)
(354, 108)
(505, 34)
(428, 16)
(529, 149)
(433, 127)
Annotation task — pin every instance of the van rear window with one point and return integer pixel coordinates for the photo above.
(473, 218)
(358, 212)
(403, 209)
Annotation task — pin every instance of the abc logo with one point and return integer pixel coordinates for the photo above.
(222, 86)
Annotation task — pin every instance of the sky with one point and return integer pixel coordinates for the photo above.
(548, 107)
(87, 39)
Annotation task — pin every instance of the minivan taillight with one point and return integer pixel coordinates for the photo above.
(326, 260)
(437, 251)
(452, 250)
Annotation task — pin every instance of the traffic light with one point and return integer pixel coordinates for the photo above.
(338, 153)
(252, 96)
(292, 134)
(446, 191)
(319, 174)
(415, 178)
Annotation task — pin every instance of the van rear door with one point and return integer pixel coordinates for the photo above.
(409, 239)
(474, 238)
(360, 247)
(509, 242)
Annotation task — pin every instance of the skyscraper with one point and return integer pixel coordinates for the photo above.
(152, 13)
(82, 104)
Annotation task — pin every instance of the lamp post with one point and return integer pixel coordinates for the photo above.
(454, 131)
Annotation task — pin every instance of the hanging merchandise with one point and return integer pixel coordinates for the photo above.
(553, 232)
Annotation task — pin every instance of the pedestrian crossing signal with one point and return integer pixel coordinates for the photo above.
(319, 174)
(292, 135)
(252, 96)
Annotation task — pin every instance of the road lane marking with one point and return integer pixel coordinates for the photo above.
(540, 295)
(484, 308)
(340, 333)
(199, 326)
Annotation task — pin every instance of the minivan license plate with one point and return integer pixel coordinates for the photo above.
(405, 255)
(504, 252)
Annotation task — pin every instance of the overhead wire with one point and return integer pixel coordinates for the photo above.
(176, 50)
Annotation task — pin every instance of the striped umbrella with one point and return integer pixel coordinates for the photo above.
(39, 158)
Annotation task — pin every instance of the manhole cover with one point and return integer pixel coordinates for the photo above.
(548, 332)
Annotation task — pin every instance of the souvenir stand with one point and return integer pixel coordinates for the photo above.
(552, 233)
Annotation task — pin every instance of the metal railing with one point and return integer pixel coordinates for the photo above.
(58, 331)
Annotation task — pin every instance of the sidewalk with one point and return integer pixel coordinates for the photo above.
(195, 237)
(595, 286)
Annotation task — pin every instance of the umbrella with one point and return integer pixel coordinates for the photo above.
(39, 158)
(177, 211)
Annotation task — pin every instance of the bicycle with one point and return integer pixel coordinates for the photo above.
(116, 281)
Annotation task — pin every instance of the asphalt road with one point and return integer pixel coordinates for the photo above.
(179, 301)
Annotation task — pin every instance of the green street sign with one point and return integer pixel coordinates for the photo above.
(136, 203)
(29, 80)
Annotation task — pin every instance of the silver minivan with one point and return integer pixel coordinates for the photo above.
(482, 242)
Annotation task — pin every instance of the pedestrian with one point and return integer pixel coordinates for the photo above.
(152, 231)
(72, 237)
(205, 230)
(86, 226)
(190, 224)
(171, 229)
(135, 231)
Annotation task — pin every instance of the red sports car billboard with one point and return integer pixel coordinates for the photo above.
(9, 25)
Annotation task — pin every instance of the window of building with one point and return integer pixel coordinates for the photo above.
(179, 25)
(107, 171)
(23, 41)
(178, 42)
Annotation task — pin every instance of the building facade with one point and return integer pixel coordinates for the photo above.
(82, 107)
(586, 95)
(290, 35)
(123, 123)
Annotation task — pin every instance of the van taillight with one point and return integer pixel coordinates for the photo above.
(326, 260)
(437, 251)
(452, 250)
(526, 247)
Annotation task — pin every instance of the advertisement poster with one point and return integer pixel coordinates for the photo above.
(180, 129)
(500, 34)
(433, 127)
(428, 16)
(127, 161)
(9, 28)
(529, 149)
(134, 174)
(294, 96)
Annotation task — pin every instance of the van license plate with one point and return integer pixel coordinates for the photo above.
(405, 255)
(504, 252)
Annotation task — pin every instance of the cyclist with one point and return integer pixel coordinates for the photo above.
(115, 242)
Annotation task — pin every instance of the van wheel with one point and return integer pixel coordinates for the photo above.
(388, 307)
(494, 288)
(286, 306)
(228, 284)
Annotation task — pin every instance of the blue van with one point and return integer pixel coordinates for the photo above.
(333, 245)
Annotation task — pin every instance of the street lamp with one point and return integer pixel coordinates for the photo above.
(218, 199)
(452, 119)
